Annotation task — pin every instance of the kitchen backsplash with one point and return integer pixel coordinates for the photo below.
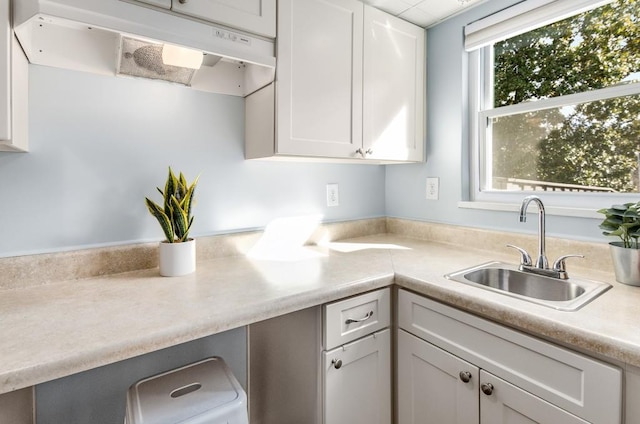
(33, 270)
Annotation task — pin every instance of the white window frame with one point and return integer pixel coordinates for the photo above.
(481, 110)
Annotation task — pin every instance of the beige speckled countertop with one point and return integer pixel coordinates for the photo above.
(57, 329)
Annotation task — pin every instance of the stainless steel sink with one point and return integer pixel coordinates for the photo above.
(564, 295)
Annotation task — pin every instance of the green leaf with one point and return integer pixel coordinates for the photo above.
(607, 226)
(184, 238)
(614, 212)
(180, 220)
(169, 190)
(182, 184)
(622, 207)
(188, 198)
(614, 220)
(162, 218)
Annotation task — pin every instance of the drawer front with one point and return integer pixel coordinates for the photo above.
(352, 318)
(586, 387)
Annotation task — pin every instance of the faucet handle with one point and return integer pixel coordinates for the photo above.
(525, 259)
(559, 264)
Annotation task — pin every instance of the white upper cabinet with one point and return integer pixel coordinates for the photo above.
(319, 77)
(255, 16)
(13, 87)
(394, 87)
(349, 86)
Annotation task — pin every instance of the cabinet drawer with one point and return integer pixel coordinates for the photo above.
(586, 387)
(350, 319)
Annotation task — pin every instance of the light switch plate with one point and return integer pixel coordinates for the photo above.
(433, 186)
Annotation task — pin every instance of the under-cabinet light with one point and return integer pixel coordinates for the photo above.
(181, 56)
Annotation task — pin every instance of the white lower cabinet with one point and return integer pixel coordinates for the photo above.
(430, 386)
(436, 387)
(504, 403)
(357, 381)
(324, 365)
(457, 368)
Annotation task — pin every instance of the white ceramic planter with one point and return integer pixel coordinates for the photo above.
(626, 264)
(177, 259)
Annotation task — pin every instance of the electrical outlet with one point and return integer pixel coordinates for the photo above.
(333, 196)
(433, 184)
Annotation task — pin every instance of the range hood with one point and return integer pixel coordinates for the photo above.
(116, 37)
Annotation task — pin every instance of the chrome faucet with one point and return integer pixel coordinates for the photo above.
(541, 261)
(541, 265)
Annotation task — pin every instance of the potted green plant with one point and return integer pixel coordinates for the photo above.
(178, 251)
(623, 221)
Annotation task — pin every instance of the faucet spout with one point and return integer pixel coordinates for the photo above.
(541, 261)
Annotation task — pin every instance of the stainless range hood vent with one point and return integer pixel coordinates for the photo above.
(112, 37)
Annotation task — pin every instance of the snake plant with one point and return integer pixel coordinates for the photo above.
(175, 215)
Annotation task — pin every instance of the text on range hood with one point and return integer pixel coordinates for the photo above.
(92, 35)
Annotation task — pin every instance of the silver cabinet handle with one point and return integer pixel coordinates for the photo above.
(364, 153)
(182, 1)
(465, 376)
(366, 317)
(337, 363)
(487, 388)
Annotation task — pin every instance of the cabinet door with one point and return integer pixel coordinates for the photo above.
(357, 381)
(319, 78)
(14, 74)
(255, 16)
(504, 403)
(394, 87)
(430, 388)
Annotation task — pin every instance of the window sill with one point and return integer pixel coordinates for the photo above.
(515, 207)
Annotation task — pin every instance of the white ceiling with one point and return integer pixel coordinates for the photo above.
(423, 12)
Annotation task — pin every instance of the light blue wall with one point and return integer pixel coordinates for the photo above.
(99, 144)
(447, 138)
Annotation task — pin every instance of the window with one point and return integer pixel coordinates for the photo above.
(557, 100)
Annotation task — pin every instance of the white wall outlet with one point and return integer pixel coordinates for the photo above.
(433, 185)
(333, 196)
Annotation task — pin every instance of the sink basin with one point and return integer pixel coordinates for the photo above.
(564, 295)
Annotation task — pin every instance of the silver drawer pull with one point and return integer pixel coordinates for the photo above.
(366, 317)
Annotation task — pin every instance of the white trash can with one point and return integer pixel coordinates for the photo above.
(205, 392)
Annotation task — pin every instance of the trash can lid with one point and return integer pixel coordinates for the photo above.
(206, 387)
